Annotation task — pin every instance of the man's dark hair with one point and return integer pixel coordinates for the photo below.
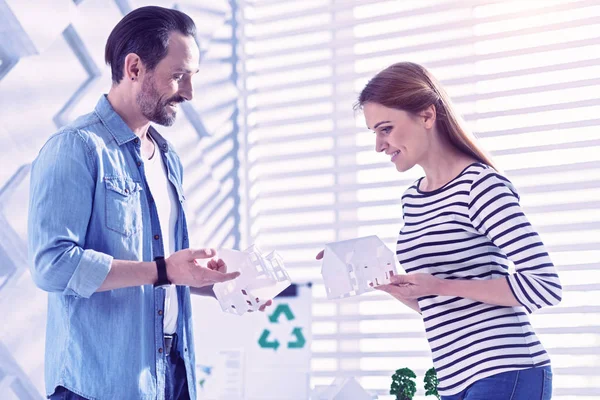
(145, 32)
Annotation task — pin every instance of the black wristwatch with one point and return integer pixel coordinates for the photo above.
(161, 268)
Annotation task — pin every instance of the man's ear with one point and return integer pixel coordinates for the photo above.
(133, 67)
(428, 116)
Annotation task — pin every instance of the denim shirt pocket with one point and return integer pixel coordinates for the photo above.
(123, 205)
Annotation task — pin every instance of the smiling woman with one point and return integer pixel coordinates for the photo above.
(463, 225)
(404, 97)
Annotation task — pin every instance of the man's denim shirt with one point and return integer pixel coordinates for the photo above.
(90, 203)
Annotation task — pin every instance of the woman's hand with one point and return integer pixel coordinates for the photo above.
(412, 286)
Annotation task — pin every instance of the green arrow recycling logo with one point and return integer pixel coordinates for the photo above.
(298, 341)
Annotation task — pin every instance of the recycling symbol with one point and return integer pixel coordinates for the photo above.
(299, 341)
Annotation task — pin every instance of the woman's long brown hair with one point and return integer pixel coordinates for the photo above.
(410, 87)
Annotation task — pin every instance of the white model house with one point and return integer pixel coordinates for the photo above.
(261, 279)
(355, 266)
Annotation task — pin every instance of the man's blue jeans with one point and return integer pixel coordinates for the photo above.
(176, 385)
(526, 384)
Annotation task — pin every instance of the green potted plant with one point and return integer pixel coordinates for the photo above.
(403, 384)
(431, 383)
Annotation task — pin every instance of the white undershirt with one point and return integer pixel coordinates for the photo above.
(167, 207)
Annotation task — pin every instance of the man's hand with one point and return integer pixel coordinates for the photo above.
(412, 286)
(219, 266)
(183, 269)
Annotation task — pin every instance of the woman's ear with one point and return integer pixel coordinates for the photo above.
(427, 116)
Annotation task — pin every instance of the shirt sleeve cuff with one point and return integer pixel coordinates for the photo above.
(90, 273)
(515, 289)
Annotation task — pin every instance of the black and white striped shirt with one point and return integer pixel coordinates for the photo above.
(472, 228)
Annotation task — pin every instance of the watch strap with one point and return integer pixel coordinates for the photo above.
(161, 268)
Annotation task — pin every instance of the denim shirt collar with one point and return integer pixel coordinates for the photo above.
(119, 129)
(163, 145)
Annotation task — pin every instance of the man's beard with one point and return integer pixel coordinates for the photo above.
(152, 105)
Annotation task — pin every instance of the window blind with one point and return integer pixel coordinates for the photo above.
(524, 75)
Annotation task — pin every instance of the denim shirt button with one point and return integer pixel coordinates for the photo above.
(136, 140)
(160, 350)
(160, 312)
(139, 163)
(156, 237)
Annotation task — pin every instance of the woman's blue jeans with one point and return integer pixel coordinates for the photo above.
(525, 384)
